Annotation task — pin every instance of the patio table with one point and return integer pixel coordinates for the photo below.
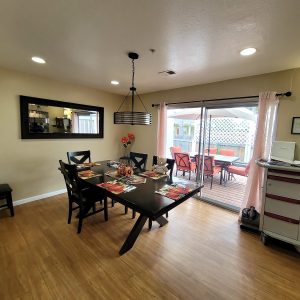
(224, 161)
(221, 160)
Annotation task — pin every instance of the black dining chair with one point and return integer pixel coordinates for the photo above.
(5, 195)
(84, 198)
(138, 160)
(79, 157)
(170, 165)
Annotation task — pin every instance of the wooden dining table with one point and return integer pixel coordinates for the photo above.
(143, 200)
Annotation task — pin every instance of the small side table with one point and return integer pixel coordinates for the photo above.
(5, 193)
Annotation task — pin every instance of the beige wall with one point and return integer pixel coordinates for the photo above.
(279, 81)
(30, 166)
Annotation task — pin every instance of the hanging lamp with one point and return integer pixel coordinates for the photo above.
(132, 117)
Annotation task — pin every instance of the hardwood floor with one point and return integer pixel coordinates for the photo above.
(200, 254)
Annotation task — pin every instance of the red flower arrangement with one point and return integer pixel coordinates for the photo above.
(127, 140)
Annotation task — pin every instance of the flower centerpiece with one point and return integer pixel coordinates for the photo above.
(127, 142)
(124, 170)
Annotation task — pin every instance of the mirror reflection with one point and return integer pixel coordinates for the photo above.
(54, 119)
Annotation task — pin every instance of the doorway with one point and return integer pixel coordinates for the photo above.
(224, 136)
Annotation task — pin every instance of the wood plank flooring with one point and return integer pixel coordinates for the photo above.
(200, 254)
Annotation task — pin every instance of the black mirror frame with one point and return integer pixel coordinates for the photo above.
(25, 134)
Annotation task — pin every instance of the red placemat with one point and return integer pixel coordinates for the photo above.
(152, 175)
(116, 187)
(174, 192)
(88, 174)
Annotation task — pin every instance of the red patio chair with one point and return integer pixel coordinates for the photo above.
(238, 170)
(175, 149)
(210, 169)
(227, 152)
(211, 150)
(184, 163)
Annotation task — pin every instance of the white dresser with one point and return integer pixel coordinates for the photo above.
(280, 215)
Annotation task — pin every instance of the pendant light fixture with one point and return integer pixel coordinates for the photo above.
(132, 117)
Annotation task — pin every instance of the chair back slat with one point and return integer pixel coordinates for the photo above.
(79, 157)
(139, 160)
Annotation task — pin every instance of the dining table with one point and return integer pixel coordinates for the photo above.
(143, 198)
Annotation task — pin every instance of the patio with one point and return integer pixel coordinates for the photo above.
(230, 194)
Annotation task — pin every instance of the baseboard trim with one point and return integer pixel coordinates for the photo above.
(39, 197)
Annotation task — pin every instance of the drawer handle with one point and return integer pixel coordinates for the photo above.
(281, 218)
(285, 179)
(284, 199)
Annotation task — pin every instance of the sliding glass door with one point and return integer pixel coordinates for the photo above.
(218, 137)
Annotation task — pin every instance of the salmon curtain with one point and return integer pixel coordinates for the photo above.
(162, 130)
(264, 136)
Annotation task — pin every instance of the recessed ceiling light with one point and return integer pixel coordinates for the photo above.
(248, 51)
(114, 82)
(38, 60)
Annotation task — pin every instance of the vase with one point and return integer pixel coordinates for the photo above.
(126, 152)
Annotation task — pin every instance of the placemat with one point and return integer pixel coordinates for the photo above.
(174, 191)
(116, 187)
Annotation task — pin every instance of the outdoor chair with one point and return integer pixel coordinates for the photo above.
(83, 198)
(175, 149)
(210, 169)
(238, 170)
(79, 157)
(211, 151)
(184, 163)
(227, 152)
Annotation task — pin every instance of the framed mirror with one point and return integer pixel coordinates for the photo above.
(51, 119)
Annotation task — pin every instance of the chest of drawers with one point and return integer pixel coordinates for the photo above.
(280, 216)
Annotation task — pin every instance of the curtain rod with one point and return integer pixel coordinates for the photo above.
(287, 94)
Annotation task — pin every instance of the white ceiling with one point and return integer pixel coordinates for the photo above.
(86, 41)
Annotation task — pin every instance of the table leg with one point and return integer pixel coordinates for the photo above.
(133, 235)
(10, 204)
(162, 221)
(225, 175)
(221, 176)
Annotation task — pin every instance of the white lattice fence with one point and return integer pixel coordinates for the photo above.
(229, 131)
